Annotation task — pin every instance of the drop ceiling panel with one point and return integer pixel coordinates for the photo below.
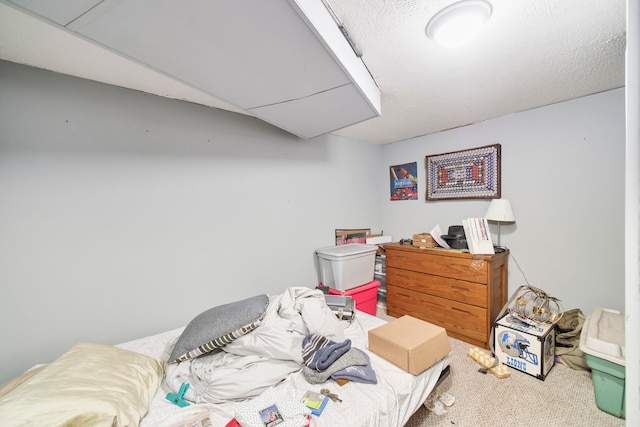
(276, 57)
(251, 53)
(319, 114)
(60, 12)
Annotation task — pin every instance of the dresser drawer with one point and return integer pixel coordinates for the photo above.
(460, 268)
(463, 319)
(444, 287)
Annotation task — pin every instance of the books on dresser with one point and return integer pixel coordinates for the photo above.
(476, 231)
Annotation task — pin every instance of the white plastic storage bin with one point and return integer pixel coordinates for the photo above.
(602, 341)
(346, 266)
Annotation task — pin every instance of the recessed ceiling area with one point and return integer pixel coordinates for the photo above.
(528, 54)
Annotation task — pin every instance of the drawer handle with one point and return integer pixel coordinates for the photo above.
(402, 295)
(459, 288)
(461, 311)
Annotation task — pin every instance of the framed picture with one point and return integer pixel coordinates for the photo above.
(464, 174)
(403, 181)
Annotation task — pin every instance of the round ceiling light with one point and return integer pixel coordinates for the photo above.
(457, 24)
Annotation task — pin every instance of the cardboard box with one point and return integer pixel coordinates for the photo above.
(409, 343)
(525, 345)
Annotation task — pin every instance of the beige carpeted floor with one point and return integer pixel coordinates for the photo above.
(565, 398)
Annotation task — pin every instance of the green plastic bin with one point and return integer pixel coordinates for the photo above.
(602, 341)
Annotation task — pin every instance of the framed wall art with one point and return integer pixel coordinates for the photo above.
(464, 174)
(403, 181)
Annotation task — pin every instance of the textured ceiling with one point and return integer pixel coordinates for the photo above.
(530, 53)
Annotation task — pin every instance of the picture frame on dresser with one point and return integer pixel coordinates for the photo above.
(345, 236)
(465, 174)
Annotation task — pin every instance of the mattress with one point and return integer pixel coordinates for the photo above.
(390, 402)
(127, 384)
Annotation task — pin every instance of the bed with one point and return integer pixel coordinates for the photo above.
(259, 361)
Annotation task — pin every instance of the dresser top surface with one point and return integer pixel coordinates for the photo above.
(444, 252)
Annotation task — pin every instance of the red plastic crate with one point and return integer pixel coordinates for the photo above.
(365, 296)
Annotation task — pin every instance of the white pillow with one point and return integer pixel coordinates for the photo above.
(91, 384)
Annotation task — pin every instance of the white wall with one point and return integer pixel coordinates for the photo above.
(124, 214)
(563, 171)
(632, 216)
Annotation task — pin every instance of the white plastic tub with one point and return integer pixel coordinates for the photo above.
(346, 266)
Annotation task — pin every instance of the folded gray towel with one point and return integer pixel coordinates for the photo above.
(353, 357)
(319, 352)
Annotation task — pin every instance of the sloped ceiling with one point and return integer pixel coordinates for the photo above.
(530, 53)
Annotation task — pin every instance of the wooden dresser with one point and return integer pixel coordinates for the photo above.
(459, 291)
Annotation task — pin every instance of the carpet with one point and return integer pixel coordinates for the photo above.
(565, 398)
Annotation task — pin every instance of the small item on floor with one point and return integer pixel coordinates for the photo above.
(500, 371)
(488, 363)
(444, 397)
(438, 401)
(332, 396)
(435, 406)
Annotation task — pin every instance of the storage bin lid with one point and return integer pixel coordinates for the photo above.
(347, 250)
(358, 290)
(603, 335)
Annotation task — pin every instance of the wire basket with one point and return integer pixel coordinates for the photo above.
(536, 305)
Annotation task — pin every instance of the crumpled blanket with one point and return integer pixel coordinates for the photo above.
(254, 362)
(568, 340)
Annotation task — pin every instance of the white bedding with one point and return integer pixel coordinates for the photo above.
(390, 402)
(251, 364)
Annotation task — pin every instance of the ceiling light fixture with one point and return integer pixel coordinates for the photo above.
(458, 23)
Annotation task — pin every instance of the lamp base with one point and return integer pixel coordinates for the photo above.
(499, 249)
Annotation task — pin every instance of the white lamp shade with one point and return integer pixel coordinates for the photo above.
(500, 211)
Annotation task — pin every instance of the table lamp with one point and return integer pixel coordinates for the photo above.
(500, 211)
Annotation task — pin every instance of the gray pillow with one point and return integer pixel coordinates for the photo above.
(219, 326)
